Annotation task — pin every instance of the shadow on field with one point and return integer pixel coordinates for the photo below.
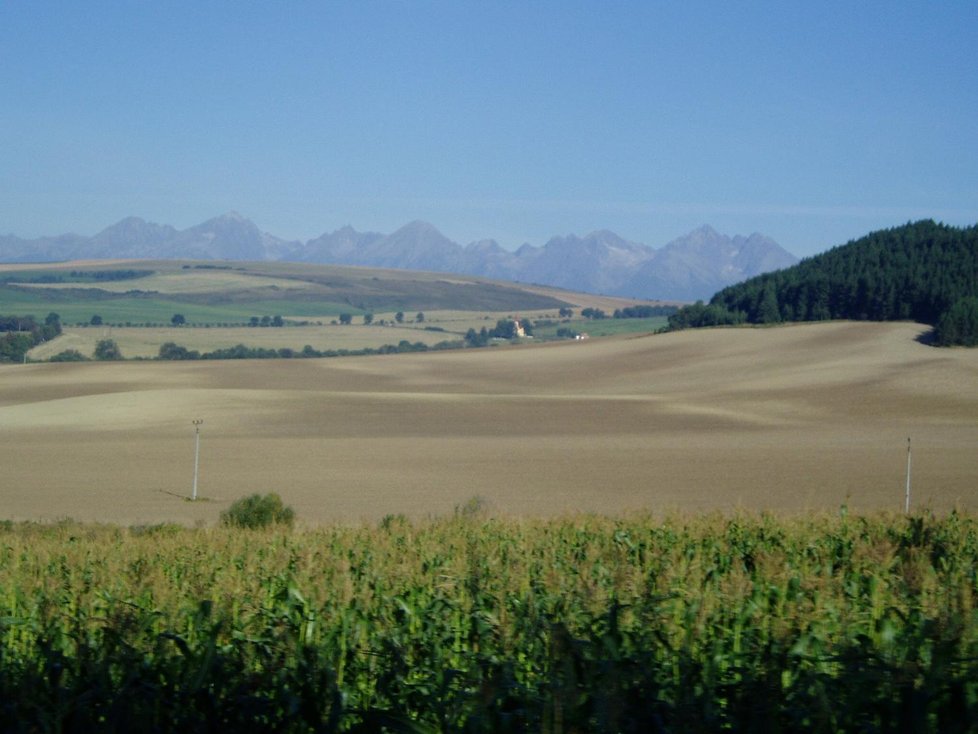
(188, 499)
(927, 338)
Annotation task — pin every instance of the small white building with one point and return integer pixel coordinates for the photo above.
(518, 329)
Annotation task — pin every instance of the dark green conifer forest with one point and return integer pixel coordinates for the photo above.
(917, 272)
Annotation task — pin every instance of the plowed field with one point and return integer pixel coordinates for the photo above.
(796, 418)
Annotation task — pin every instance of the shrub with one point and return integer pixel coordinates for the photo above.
(258, 511)
(171, 350)
(68, 355)
(107, 349)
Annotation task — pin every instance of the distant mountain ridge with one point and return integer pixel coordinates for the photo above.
(686, 269)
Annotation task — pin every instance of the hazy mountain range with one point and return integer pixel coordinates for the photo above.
(688, 268)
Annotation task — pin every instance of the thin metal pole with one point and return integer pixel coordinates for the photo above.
(197, 423)
(906, 508)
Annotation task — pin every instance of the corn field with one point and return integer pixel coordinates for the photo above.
(473, 624)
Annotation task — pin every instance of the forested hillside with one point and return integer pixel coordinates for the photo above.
(915, 272)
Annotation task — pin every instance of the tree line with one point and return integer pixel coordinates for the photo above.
(172, 351)
(75, 276)
(643, 311)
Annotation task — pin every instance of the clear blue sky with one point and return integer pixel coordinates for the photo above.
(812, 122)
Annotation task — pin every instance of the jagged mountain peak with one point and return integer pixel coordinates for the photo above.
(702, 236)
(419, 228)
(130, 237)
(127, 222)
(706, 230)
(605, 235)
(420, 224)
(232, 216)
(228, 219)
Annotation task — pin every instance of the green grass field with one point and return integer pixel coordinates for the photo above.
(123, 309)
(605, 327)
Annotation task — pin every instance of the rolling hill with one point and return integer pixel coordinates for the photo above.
(239, 288)
(806, 417)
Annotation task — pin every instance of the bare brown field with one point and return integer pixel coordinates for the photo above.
(70, 265)
(790, 419)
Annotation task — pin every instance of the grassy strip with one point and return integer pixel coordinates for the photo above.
(156, 310)
(472, 624)
(604, 327)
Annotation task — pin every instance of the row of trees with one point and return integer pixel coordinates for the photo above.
(264, 321)
(109, 275)
(643, 312)
(178, 319)
(171, 351)
(75, 276)
(368, 318)
(914, 272)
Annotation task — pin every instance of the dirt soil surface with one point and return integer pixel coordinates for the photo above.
(797, 418)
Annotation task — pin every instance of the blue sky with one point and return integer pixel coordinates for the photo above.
(813, 123)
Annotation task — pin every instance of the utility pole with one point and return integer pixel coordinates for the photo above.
(906, 507)
(197, 423)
